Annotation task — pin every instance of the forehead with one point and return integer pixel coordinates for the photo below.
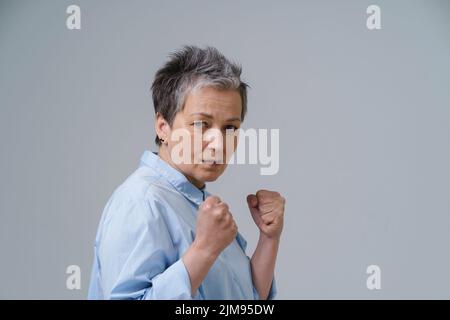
(214, 101)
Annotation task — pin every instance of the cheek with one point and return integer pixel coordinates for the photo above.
(197, 143)
(183, 146)
(230, 143)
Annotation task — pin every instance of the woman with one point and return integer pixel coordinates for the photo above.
(162, 235)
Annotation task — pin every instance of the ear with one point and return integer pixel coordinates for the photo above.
(162, 128)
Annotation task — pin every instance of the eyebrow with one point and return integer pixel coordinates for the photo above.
(210, 116)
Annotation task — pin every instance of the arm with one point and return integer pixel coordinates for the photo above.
(136, 253)
(139, 260)
(215, 230)
(263, 264)
(197, 262)
(267, 209)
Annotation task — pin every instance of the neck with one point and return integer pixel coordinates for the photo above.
(164, 154)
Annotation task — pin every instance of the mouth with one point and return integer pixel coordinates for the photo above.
(210, 162)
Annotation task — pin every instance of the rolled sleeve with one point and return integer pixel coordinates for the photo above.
(137, 256)
(173, 283)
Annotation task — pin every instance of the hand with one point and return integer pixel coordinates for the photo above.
(267, 209)
(216, 228)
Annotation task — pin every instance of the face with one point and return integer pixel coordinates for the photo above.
(202, 134)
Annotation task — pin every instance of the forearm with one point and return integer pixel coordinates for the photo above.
(198, 261)
(263, 264)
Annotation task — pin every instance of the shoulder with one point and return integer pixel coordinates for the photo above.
(143, 193)
(134, 208)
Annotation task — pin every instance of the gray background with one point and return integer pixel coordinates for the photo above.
(364, 120)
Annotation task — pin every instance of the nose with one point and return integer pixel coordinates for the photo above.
(214, 139)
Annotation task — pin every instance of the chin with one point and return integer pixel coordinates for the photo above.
(209, 175)
(211, 179)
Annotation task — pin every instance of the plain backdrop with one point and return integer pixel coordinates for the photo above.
(364, 119)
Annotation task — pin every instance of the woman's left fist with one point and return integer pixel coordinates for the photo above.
(267, 209)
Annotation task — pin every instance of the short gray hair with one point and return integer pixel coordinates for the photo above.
(191, 68)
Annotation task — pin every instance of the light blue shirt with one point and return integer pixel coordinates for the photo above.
(146, 226)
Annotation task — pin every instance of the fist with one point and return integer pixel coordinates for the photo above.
(216, 228)
(267, 209)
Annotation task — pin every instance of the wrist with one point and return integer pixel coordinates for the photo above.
(265, 239)
(203, 252)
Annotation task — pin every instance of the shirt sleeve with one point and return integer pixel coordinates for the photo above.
(136, 254)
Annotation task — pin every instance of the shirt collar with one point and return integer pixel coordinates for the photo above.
(174, 177)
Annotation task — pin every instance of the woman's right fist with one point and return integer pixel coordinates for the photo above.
(216, 228)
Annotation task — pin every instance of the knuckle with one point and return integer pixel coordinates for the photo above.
(213, 199)
(223, 206)
(227, 220)
(265, 192)
(206, 206)
(220, 214)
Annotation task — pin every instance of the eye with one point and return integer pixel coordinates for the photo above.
(199, 124)
(230, 129)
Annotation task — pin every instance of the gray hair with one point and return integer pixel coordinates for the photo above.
(191, 68)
